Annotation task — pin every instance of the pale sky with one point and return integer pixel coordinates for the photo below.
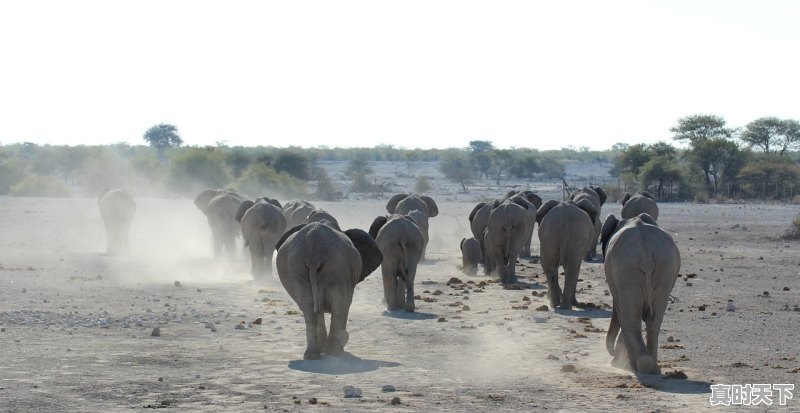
(541, 74)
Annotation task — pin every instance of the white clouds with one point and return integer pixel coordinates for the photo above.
(410, 74)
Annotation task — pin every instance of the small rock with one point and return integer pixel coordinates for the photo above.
(761, 258)
(156, 332)
(350, 391)
(239, 326)
(542, 307)
(199, 290)
(442, 319)
(454, 280)
(465, 308)
(785, 288)
(160, 379)
(677, 374)
(258, 321)
(689, 284)
(568, 368)
(730, 307)
(177, 283)
(2, 329)
(312, 400)
(388, 388)
(670, 339)
(395, 401)
(24, 290)
(766, 294)
(552, 357)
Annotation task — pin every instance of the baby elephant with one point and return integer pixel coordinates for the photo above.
(262, 224)
(641, 265)
(639, 203)
(117, 209)
(401, 242)
(470, 255)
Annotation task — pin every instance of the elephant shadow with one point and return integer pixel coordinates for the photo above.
(404, 315)
(343, 364)
(589, 312)
(676, 386)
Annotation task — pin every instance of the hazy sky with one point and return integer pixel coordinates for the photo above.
(543, 74)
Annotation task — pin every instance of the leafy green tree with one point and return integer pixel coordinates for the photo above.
(660, 171)
(767, 173)
(456, 168)
(294, 163)
(12, 171)
(358, 165)
(163, 136)
(260, 179)
(771, 134)
(709, 139)
(327, 190)
(480, 154)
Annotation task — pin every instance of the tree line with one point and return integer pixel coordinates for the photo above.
(756, 161)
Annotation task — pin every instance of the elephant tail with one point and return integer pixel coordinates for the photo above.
(316, 294)
(647, 268)
(613, 330)
(404, 264)
(509, 255)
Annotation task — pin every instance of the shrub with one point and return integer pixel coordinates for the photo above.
(262, 180)
(11, 172)
(422, 185)
(327, 190)
(196, 169)
(361, 184)
(40, 186)
(794, 231)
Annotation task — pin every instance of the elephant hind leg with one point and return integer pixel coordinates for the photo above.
(312, 345)
(652, 327)
(322, 332)
(390, 292)
(631, 326)
(338, 336)
(571, 272)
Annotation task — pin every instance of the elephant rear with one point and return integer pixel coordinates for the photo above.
(117, 208)
(641, 266)
(639, 204)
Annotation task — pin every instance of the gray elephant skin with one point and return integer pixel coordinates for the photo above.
(297, 211)
(503, 240)
(220, 207)
(479, 220)
(403, 204)
(262, 225)
(522, 197)
(401, 242)
(319, 266)
(117, 208)
(597, 197)
(639, 203)
(641, 266)
(470, 255)
(566, 229)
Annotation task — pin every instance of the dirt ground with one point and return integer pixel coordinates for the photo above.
(76, 323)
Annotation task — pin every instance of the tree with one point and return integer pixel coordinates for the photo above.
(767, 171)
(480, 153)
(293, 163)
(708, 139)
(163, 136)
(358, 165)
(763, 133)
(456, 168)
(660, 171)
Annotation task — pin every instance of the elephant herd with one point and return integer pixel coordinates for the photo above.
(319, 264)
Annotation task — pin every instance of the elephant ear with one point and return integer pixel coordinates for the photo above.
(102, 193)
(496, 203)
(371, 256)
(545, 209)
(521, 201)
(534, 199)
(391, 206)
(202, 200)
(243, 207)
(475, 210)
(647, 219)
(273, 202)
(376, 226)
(288, 234)
(433, 209)
(601, 194)
(586, 206)
(626, 198)
(647, 195)
(608, 230)
(510, 194)
(461, 244)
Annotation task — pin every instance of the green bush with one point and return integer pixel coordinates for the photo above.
(40, 186)
(361, 184)
(261, 180)
(196, 169)
(422, 185)
(327, 190)
(11, 172)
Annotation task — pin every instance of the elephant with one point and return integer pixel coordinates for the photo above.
(319, 215)
(319, 266)
(470, 255)
(296, 212)
(404, 203)
(503, 239)
(638, 203)
(597, 196)
(220, 207)
(117, 208)
(531, 202)
(479, 220)
(566, 230)
(401, 242)
(262, 224)
(641, 266)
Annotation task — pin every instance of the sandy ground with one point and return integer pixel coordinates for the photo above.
(77, 323)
